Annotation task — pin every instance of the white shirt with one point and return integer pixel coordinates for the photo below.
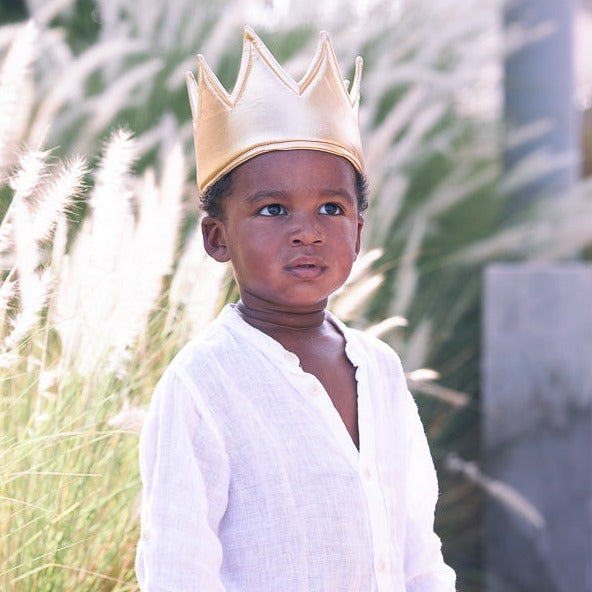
(252, 482)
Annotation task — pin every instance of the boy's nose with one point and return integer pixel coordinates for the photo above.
(306, 231)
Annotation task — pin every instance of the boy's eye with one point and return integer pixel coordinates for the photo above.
(272, 210)
(331, 209)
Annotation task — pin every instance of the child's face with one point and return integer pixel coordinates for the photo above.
(291, 228)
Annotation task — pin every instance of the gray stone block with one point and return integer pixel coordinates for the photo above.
(537, 425)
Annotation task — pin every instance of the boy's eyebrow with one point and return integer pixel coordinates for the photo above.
(266, 194)
(338, 193)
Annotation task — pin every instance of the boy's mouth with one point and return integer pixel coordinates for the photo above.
(306, 267)
(305, 262)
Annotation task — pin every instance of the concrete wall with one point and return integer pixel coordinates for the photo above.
(537, 425)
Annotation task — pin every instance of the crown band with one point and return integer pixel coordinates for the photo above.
(267, 110)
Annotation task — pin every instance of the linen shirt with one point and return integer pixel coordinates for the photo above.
(252, 482)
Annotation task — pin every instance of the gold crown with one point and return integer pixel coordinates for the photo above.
(268, 110)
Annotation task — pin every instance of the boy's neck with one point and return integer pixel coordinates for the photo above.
(274, 321)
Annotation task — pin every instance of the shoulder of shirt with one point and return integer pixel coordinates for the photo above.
(209, 347)
(199, 363)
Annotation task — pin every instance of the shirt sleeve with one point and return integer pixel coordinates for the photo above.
(185, 479)
(425, 569)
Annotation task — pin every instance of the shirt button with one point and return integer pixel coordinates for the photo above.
(315, 390)
(381, 566)
(367, 473)
(291, 358)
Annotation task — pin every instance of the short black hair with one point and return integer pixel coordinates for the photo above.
(211, 200)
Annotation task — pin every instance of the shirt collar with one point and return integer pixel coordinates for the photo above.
(233, 321)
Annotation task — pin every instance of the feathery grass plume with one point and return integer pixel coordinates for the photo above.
(422, 380)
(56, 197)
(111, 201)
(381, 138)
(215, 45)
(150, 254)
(7, 294)
(502, 492)
(114, 274)
(195, 292)
(557, 229)
(348, 303)
(162, 136)
(459, 186)
(362, 283)
(88, 293)
(222, 32)
(531, 168)
(363, 264)
(407, 274)
(5, 240)
(26, 250)
(44, 11)
(31, 170)
(27, 256)
(126, 68)
(26, 320)
(7, 291)
(129, 417)
(8, 32)
(388, 197)
(61, 525)
(15, 93)
(420, 127)
(67, 87)
(517, 36)
(386, 326)
(415, 349)
(104, 108)
(516, 137)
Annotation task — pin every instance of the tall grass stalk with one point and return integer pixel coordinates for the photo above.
(16, 95)
(83, 344)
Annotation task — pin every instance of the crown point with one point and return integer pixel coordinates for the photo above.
(250, 39)
(248, 31)
(206, 79)
(325, 44)
(201, 63)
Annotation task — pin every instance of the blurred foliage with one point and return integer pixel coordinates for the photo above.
(12, 11)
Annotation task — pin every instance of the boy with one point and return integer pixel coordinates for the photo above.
(282, 450)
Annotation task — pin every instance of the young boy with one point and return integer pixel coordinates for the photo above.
(282, 451)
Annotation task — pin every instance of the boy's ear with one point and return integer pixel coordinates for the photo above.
(359, 234)
(214, 239)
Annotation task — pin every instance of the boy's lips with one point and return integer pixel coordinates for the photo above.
(306, 267)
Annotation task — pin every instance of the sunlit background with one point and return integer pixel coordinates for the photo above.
(103, 276)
